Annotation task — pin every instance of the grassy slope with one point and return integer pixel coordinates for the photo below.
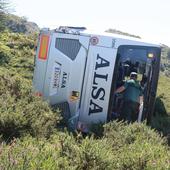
(21, 113)
(40, 145)
(161, 119)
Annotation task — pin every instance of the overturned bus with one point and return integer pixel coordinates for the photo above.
(79, 71)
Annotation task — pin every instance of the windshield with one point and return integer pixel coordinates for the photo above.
(145, 62)
(135, 59)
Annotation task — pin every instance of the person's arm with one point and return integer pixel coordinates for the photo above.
(120, 89)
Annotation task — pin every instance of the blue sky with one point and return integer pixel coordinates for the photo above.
(146, 18)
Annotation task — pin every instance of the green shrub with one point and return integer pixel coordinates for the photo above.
(137, 146)
(21, 112)
(17, 53)
(123, 146)
(61, 152)
(4, 54)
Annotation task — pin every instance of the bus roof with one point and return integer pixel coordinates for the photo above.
(86, 32)
(119, 36)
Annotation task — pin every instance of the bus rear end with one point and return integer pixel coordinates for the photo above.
(59, 68)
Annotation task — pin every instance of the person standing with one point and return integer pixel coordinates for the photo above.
(133, 98)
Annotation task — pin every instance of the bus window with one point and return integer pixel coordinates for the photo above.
(141, 60)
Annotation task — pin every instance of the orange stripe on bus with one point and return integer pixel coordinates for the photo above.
(44, 42)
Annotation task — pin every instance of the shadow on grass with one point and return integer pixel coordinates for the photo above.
(161, 120)
(160, 107)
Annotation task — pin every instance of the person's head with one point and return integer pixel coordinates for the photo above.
(133, 75)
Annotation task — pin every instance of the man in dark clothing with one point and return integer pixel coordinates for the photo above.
(133, 97)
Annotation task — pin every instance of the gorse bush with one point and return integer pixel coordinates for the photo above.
(21, 112)
(4, 54)
(122, 147)
(136, 146)
(17, 53)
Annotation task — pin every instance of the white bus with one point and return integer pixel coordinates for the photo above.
(79, 70)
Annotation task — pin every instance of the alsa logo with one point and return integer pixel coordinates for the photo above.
(97, 91)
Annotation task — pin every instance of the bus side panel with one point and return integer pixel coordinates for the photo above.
(97, 84)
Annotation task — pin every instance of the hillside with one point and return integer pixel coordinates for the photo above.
(33, 134)
(20, 25)
(122, 33)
